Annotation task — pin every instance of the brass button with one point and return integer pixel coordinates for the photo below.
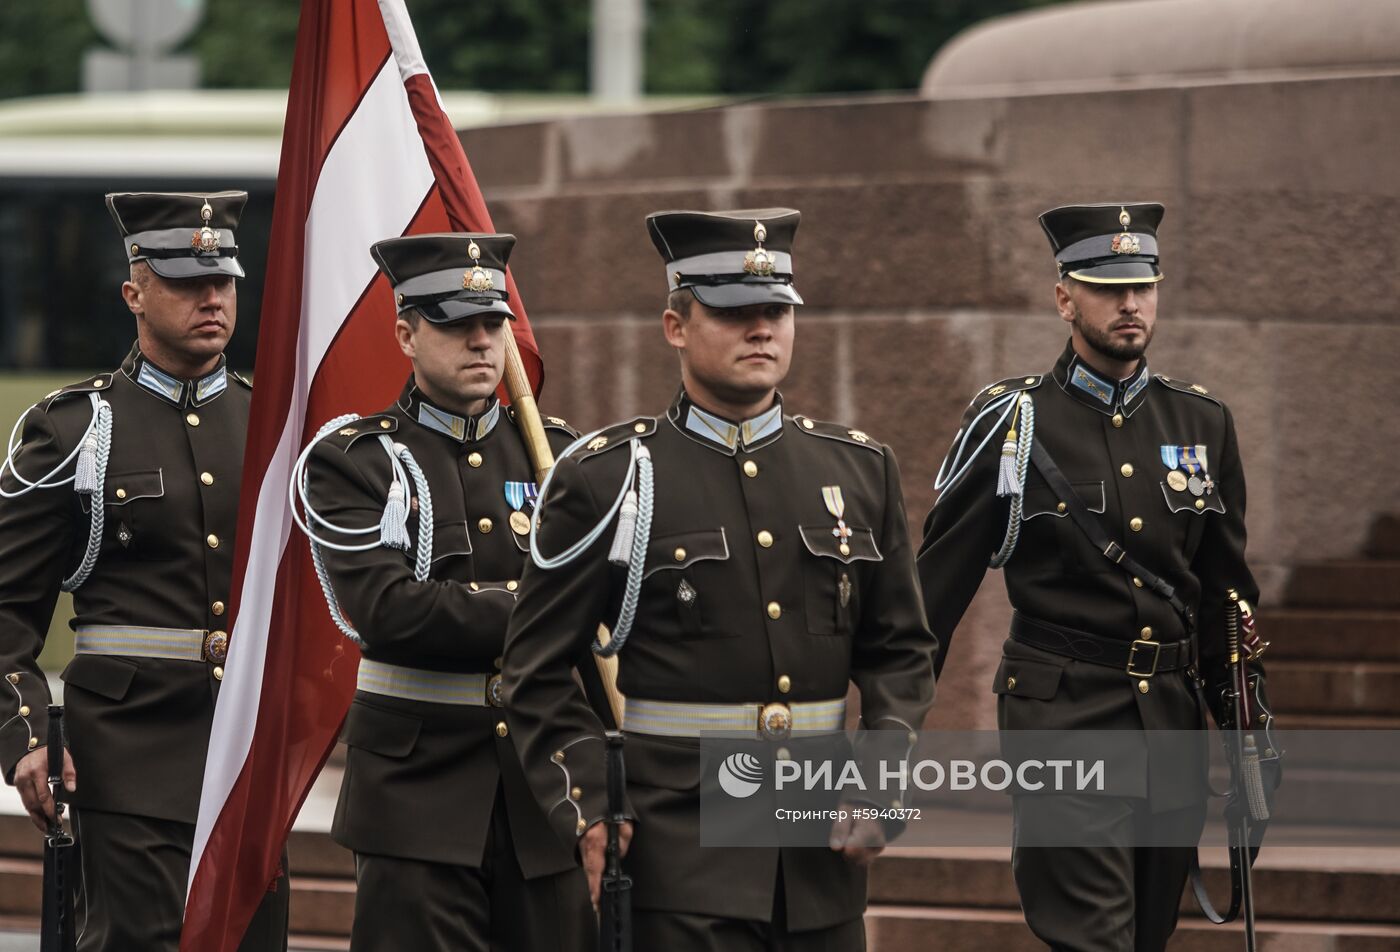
(474, 586)
(844, 549)
(385, 424)
(192, 419)
(135, 249)
(473, 460)
(498, 662)
(1061, 507)
(24, 710)
(679, 554)
(807, 424)
(775, 610)
(213, 541)
(1126, 469)
(512, 585)
(12, 678)
(558, 757)
(33, 742)
(1135, 524)
(1029, 381)
(639, 428)
(1117, 419)
(1137, 581)
(750, 468)
(582, 825)
(218, 674)
(576, 793)
(1143, 686)
(784, 684)
(206, 478)
(1200, 503)
(501, 729)
(1011, 683)
(100, 382)
(896, 804)
(484, 524)
(217, 608)
(121, 493)
(1146, 632)
(783, 753)
(765, 538)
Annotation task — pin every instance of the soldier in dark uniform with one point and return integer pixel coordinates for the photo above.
(778, 570)
(124, 491)
(1123, 633)
(452, 853)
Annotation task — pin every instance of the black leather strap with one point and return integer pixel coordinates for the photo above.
(1138, 658)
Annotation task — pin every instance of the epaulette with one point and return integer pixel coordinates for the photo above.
(241, 379)
(549, 422)
(90, 385)
(1181, 386)
(835, 431)
(1009, 385)
(616, 435)
(375, 425)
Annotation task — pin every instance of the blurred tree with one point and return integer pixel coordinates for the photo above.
(693, 46)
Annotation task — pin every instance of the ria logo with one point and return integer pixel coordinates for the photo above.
(740, 775)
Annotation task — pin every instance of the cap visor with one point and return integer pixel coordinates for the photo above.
(743, 294)
(453, 310)
(191, 267)
(1120, 272)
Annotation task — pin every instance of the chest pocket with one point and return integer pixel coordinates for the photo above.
(135, 514)
(450, 541)
(831, 578)
(1043, 501)
(1196, 505)
(684, 568)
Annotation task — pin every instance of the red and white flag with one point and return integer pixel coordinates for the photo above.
(367, 153)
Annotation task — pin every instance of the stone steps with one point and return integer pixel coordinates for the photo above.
(1346, 584)
(1334, 687)
(1331, 634)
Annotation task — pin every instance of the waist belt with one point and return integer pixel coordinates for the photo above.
(434, 687)
(774, 721)
(1139, 659)
(175, 644)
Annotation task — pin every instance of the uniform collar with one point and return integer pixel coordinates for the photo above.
(1093, 389)
(724, 435)
(462, 429)
(174, 390)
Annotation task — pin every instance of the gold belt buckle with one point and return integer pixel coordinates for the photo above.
(493, 692)
(1132, 658)
(775, 721)
(216, 646)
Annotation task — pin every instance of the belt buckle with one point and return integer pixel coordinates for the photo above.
(1132, 658)
(1115, 553)
(216, 646)
(493, 691)
(775, 721)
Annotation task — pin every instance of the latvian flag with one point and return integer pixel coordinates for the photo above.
(367, 153)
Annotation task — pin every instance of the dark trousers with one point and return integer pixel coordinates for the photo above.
(1112, 896)
(403, 904)
(655, 930)
(132, 894)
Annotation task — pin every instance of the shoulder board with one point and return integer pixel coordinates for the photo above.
(91, 385)
(241, 379)
(1195, 389)
(549, 422)
(347, 435)
(1010, 385)
(835, 431)
(616, 435)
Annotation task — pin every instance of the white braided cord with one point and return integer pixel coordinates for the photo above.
(102, 413)
(641, 538)
(1025, 435)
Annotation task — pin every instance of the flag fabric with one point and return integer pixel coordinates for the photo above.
(367, 153)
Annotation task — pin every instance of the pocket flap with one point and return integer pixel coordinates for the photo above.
(819, 540)
(449, 539)
(379, 731)
(678, 550)
(663, 762)
(1044, 501)
(100, 674)
(1185, 502)
(123, 488)
(1024, 678)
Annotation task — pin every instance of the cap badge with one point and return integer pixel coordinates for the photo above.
(760, 261)
(477, 279)
(1125, 243)
(206, 240)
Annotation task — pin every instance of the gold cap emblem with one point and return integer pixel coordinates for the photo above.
(760, 261)
(1125, 243)
(477, 279)
(206, 240)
